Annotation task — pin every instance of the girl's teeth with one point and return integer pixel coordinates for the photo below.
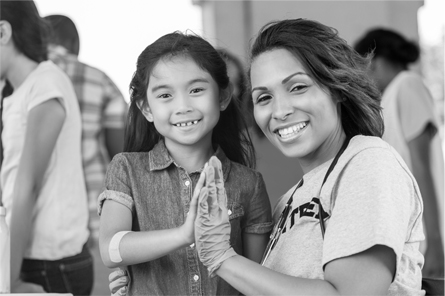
(186, 123)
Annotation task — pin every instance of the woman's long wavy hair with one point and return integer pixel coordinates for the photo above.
(230, 132)
(333, 64)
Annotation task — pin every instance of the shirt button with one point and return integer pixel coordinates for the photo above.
(196, 277)
(192, 245)
(187, 183)
(229, 212)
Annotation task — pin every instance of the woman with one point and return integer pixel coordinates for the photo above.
(42, 182)
(411, 127)
(353, 224)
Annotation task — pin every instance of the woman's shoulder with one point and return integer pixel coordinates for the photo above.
(373, 152)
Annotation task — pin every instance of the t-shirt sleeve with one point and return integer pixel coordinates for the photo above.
(117, 184)
(47, 87)
(259, 214)
(415, 105)
(375, 202)
(115, 108)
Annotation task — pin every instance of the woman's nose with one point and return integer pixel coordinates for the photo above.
(282, 109)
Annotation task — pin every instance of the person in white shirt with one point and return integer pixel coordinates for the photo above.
(42, 183)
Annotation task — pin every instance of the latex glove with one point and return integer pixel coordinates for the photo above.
(118, 282)
(212, 226)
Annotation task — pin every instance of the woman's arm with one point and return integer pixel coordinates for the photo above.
(254, 245)
(367, 273)
(420, 158)
(143, 246)
(45, 122)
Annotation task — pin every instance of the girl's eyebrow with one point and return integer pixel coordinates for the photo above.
(285, 80)
(161, 86)
(198, 80)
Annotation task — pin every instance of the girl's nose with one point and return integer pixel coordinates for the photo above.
(183, 104)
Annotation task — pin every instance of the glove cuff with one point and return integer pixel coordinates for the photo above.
(227, 254)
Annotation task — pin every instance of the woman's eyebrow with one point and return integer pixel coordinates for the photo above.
(285, 80)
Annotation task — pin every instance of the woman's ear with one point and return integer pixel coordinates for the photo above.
(5, 32)
(225, 97)
(145, 109)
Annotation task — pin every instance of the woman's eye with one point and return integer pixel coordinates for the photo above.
(196, 90)
(262, 99)
(299, 87)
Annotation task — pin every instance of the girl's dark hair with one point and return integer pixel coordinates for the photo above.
(29, 30)
(229, 133)
(333, 64)
(229, 57)
(390, 45)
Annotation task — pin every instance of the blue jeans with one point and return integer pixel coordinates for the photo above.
(68, 275)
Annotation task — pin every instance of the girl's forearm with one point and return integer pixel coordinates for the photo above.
(142, 246)
(250, 278)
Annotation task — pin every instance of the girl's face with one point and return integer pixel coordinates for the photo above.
(297, 115)
(183, 102)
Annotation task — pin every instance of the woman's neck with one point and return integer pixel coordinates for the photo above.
(193, 157)
(21, 67)
(325, 152)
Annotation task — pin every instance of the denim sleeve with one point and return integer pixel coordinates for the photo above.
(259, 213)
(117, 184)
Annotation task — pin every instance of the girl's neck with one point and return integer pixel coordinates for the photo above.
(21, 67)
(192, 158)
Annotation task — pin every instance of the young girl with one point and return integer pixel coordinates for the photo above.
(180, 115)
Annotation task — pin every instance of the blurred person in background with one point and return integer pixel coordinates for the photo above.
(42, 183)
(411, 127)
(102, 106)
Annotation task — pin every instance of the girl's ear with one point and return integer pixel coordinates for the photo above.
(5, 32)
(145, 109)
(225, 97)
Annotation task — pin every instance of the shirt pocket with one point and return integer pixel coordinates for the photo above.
(236, 213)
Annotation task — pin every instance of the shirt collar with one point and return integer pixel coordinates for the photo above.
(160, 159)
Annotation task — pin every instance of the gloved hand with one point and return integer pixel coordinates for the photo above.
(212, 226)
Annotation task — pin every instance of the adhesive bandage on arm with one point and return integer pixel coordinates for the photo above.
(113, 248)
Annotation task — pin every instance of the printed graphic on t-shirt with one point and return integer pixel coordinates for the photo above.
(309, 209)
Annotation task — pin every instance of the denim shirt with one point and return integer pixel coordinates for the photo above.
(158, 192)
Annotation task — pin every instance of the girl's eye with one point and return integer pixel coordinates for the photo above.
(163, 96)
(299, 87)
(196, 90)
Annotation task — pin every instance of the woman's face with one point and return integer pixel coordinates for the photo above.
(296, 114)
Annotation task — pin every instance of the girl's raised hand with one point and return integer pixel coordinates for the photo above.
(188, 228)
(212, 226)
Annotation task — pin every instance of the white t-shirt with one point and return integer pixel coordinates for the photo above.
(371, 199)
(407, 109)
(60, 216)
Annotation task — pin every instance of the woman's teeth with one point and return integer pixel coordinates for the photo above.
(289, 131)
(186, 123)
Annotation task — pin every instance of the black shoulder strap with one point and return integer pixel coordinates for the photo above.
(331, 167)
